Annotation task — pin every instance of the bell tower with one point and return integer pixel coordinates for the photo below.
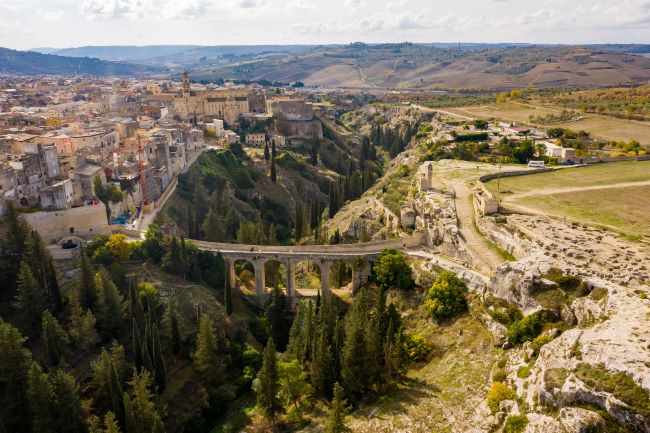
(186, 84)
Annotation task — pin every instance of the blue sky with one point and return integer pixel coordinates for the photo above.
(64, 23)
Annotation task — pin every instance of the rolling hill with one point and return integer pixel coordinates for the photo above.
(33, 63)
(416, 66)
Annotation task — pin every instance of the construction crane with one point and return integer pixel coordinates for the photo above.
(143, 177)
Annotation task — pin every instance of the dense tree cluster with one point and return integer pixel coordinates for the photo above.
(393, 139)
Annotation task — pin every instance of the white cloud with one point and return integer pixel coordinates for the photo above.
(51, 15)
(188, 9)
(115, 9)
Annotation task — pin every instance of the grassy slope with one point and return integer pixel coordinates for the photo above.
(443, 394)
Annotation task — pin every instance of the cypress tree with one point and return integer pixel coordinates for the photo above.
(391, 355)
(110, 423)
(138, 359)
(30, 298)
(56, 339)
(335, 422)
(184, 264)
(321, 365)
(354, 356)
(86, 284)
(147, 361)
(227, 295)
(266, 384)
(110, 319)
(129, 418)
(274, 176)
(171, 259)
(277, 317)
(213, 227)
(53, 288)
(115, 391)
(273, 150)
(267, 154)
(313, 157)
(160, 374)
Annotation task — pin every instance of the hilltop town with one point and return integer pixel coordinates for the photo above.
(89, 153)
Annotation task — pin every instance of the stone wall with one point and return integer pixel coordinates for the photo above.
(300, 128)
(85, 222)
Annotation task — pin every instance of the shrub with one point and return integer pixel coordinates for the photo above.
(527, 328)
(523, 372)
(416, 347)
(515, 424)
(446, 298)
(618, 384)
(540, 341)
(498, 393)
(507, 315)
(555, 377)
(499, 376)
(598, 294)
(392, 270)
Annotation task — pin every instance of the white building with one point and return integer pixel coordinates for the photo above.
(256, 139)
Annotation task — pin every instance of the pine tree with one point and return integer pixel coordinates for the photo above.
(129, 418)
(335, 422)
(206, 360)
(142, 401)
(213, 227)
(110, 423)
(69, 414)
(171, 260)
(15, 363)
(41, 399)
(86, 285)
(55, 338)
(274, 176)
(296, 334)
(30, 298)
(158, 426)
(160, 371)
(110, 318)
(266, 384)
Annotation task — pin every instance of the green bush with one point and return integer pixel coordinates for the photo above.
(523, 372)
(416, 347)
(446, 298)
(618, 384)
(540, 341)
(392, 270)
(515, 424)
(527, 328)
(506, 316)
(499, 376)
(498, 393)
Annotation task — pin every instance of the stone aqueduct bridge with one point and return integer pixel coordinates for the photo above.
(357, 255)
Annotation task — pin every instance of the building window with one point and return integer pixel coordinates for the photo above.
(71, 230)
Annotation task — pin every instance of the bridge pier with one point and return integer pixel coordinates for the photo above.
(290, 266)
(260, 280)
(325, 269)
(360, 275)
(232, 276)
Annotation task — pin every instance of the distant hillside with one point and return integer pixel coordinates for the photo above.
(171, 54)
(30, 62)
(424, 66)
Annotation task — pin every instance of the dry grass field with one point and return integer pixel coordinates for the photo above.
(606, 195)
(600, 126)
(625, 210)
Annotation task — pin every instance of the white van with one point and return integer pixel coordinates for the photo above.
(536, 164)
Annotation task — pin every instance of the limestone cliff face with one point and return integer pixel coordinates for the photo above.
(611, 334)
